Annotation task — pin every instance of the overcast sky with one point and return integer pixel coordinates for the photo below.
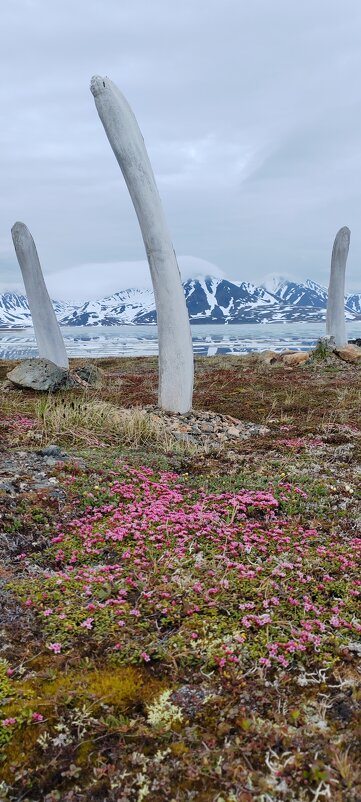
(251, 113)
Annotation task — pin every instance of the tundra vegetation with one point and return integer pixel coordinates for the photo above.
(182, 624)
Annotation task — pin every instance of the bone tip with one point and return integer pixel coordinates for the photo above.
(19, 230)
(344, 232)
(98, 84)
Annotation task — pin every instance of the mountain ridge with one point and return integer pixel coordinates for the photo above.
(209, 300)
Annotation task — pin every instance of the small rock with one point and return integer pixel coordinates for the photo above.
(7, 487)
(38, 374)
(354, 646)
(88, 374)
(183, 438)
(298, 358)
(233, 432)
(50, 461)
(349, 353)
(52, 451)
(232, 456)
(269, 357)
(326, 344)
(190, 699)
(207, 427)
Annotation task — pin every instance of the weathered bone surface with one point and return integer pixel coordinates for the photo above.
(174, 335)
(46, 327)
(335, 319)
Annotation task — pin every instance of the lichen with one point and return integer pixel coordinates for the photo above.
(162, 713)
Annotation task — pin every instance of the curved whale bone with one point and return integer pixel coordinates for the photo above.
(335, 318)
(46, 327)
(174, 334)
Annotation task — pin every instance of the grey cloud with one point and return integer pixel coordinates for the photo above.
(251, 115)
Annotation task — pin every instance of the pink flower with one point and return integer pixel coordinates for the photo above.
(118, 646)
(194, 635)
(48, 611)
(134, 612)
(8, 722)
(55, 647)
(28, 602)
(37, 717)
(10, 672)
(88, 623)
(282, 660)
(145, 656)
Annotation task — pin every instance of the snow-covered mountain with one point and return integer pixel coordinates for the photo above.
(14, 310)
(273, 281)
(217, 300)
(310, 294)
(353, 302)
(307, 294)
(209, 300)
(122, 307)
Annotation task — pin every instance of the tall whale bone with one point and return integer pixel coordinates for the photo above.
(335, 318)
(174, 334)
(46, 327)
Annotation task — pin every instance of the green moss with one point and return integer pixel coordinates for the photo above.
(118, 687)
(6, 686)
(21, 746)
(99, 694)
(83, 753)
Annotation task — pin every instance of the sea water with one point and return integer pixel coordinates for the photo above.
(208, 340)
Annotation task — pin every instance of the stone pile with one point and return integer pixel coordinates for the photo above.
(30, 471)
(292, 359)
(207, 430)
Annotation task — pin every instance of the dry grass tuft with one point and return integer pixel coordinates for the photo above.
(81, 421)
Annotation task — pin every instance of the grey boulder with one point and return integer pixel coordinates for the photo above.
(38, 374)
(89, 375)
